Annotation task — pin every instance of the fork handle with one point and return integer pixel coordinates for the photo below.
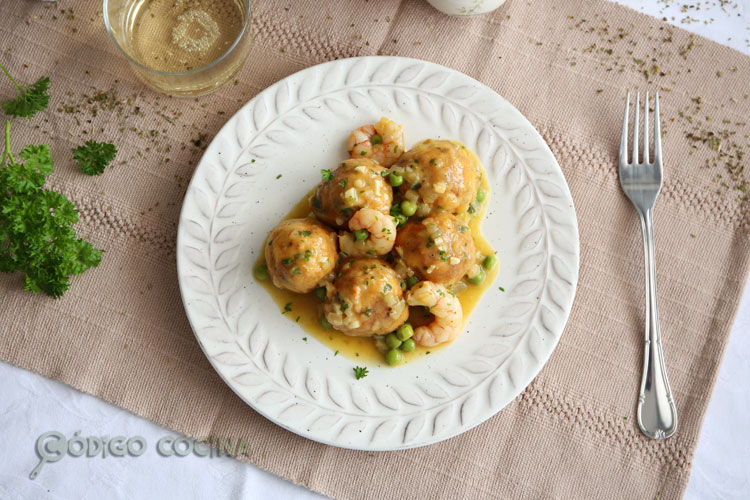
(657, 414)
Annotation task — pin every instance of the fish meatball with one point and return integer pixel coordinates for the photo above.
(356, 183)
(438, 248)
(438, 175)
(365, 298)
(300, 253)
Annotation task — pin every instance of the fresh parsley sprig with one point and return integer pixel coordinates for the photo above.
(36, 225)
(30, 99)
(94, 156)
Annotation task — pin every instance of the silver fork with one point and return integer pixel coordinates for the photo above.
(642, 181)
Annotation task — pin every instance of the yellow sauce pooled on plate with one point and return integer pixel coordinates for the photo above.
(306, 309)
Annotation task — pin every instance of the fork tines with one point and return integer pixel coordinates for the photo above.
(657, 132)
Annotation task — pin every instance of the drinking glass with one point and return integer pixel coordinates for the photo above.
(178, 32)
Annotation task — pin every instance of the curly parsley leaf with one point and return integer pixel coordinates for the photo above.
(359, 372)
(36, 225)
(30, 98)
(94, 156)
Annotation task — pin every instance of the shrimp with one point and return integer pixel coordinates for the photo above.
(444, 306)
(378, 229)
(382, 142)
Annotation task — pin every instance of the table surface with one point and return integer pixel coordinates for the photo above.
(32, 405)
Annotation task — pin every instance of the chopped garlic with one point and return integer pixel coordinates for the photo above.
(350, 195)
(390, 300)
(474, 271)
(398, 309)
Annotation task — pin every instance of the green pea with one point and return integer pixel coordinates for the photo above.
(393, 357)
(404, 331)
(478, 278)
(408, 208)
(489, 262)
(400, 220)
(261, 272)
(324, 323)
(361, 234)
(320, 293)
(393, 341)
(480, 195)
(411, 281)
(395, 180)
(409, 345)
(376, 139)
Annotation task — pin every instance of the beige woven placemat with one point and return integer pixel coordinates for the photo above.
(120, 332)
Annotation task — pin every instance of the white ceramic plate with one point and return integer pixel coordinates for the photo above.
(299, 126)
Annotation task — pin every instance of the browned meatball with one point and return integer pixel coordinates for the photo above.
(438, 249)
(300, 253)
(439, 175)
(355, 184)
(365, 298)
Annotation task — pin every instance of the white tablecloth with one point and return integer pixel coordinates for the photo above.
(31, 405)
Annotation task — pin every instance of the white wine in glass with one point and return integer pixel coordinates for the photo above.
(181, 47)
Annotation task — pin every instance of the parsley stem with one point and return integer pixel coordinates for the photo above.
(7, 146)
(18, 87)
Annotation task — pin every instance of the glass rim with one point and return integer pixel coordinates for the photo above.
(142, 66)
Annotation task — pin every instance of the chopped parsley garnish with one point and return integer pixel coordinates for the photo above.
(501, 289)
(296, 270)
(343, 183)
(327, 175)
(286, 262)
(278, 176)
(462, 229)
(305, 233)
(308, 254)
(359, 372)
(387, 288)
(368, 311)
(336, 353)
(287, 308)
